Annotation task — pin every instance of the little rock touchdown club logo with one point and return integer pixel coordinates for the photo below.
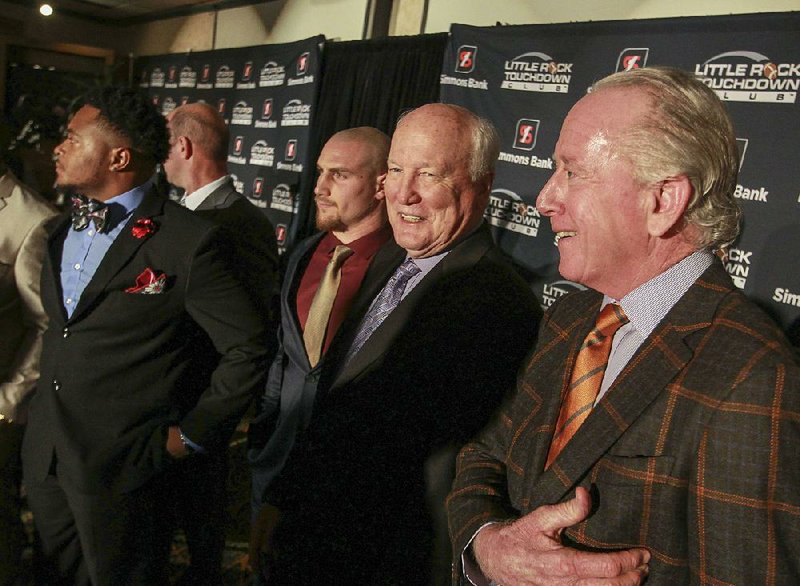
(747, 76)
(507, 210)
(536, 72)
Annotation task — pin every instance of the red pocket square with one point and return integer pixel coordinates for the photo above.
(149, 283)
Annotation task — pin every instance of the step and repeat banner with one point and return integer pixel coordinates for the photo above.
(267, 95)
(526, 78)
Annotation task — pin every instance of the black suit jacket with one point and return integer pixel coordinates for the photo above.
(114, 375)
(255, 254)
(692, 452)
(353, 491)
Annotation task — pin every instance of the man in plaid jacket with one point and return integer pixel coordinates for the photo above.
(686, 469)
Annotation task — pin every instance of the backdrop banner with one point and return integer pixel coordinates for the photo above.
(267, 95)
(526, 78)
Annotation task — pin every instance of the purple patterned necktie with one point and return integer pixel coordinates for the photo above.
(384, 304)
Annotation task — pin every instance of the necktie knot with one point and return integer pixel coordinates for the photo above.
(611, 318)
(88, 210)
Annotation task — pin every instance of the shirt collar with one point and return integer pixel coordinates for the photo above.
(647, 305)
(364, 246)
(194, 199)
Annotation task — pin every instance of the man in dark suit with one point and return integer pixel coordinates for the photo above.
(23, 215)
(358, 492)
(128, 285)
(683, 458)
(197, 163)
(350, 211)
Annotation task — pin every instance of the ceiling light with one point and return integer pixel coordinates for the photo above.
(45, 10)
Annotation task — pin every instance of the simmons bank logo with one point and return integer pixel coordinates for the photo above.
(266, 120)
(204, 83)
(172, 77)
(747, 76)
(302, 67)
(506, 210)
(466, 56)
(289, 155)
(632, 58)
(756, 194)
(525, 135)
(552, 291)
(280, 234)
(738, 263)
(246, 81)
(237, 152)
(536, 72)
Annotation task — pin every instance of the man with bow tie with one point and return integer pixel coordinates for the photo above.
(129, 284)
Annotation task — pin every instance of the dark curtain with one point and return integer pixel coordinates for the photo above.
(369, 83)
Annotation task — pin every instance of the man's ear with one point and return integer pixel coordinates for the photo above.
(185, 147)
(667, 203)
(379, 183)
(121, 159)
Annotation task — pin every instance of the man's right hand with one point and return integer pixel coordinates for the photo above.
(529, 551)
(261, 538)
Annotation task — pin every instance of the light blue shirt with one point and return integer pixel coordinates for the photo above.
(84, 251)
(646, 306)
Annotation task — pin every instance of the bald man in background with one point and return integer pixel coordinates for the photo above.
(197, 163)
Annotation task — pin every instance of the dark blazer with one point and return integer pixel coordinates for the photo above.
(255, 259)
(285, 407)
(692, 453)
(114, 376)
(353, 491)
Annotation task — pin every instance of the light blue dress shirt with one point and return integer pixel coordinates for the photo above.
(84, 251)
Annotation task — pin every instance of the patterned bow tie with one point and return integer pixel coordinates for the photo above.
(84, 210)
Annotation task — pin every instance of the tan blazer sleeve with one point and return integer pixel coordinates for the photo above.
(25, 369)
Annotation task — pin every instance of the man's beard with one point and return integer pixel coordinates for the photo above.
(330, 223)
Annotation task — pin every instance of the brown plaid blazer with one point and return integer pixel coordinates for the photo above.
(694, 453)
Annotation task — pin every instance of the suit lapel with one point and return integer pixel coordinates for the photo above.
(52, 298)
(120, 253)
(656, 363)
(462, 257)
(294, 274)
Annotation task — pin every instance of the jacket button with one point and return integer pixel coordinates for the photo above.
(56, 385)
(66, 332)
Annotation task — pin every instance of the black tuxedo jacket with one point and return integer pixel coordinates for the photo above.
(353, 490)
(115, 375)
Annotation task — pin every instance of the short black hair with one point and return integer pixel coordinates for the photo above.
(131, 114)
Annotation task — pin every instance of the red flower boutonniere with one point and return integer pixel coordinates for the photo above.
(149, 282)
(144, 227)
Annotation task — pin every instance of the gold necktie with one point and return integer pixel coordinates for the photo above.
(320, 311)
(587, 376)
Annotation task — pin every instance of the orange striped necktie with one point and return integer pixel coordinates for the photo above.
(587, 376)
